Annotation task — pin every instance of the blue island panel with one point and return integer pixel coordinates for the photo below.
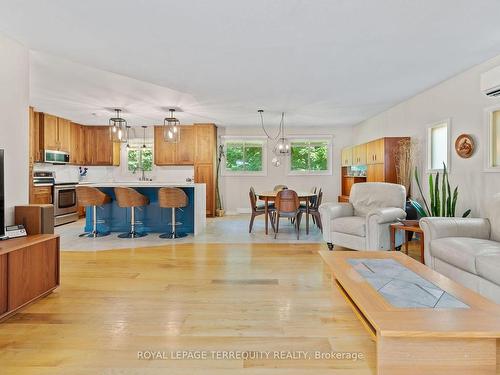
(153, 218)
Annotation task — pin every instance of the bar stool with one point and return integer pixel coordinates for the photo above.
(172, 198)
(130, 198)
(91, 196)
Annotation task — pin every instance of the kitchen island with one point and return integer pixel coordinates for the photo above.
(153, 218)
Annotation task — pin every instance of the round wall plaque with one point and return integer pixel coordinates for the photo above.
(465, 146)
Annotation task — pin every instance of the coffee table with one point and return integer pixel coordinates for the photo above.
(421, 321)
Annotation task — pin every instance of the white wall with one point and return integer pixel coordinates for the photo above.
(14, 120)
(460, 99)
(235, 189)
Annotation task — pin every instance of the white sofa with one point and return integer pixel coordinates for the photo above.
(466, 250)
(363, 223)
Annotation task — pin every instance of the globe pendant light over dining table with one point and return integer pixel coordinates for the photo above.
(282, 147)
(118, 128)
(171, 131)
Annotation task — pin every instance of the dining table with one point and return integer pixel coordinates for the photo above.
(270, 196)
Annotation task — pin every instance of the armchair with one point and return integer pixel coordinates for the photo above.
(363, 223)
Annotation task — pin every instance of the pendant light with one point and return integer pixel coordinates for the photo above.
(282, 147)
(118, 128)
(171, 131)
(128, 136)
(144, 127)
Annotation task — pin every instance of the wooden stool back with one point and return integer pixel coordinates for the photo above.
(128, 197)
(170, 197)
(91, 196)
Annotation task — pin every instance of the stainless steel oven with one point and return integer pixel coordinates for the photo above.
(65, 204)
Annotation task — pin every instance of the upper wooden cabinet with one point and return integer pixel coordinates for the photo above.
(375, 151)
(35, 152)
(102, 150)
(347, 156)
(185, 148)
(359, 155)
(206, 143)
(55, 133)
(165, 153)
(181, 153)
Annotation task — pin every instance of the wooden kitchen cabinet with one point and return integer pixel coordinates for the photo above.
(185, 148)
(164, 152)
(206, 143)
(35, 153)
(64, 134)
(347, 157)
(41, 195)
(102, 150)
(48, 125)
(375, 151)
(181, 153)
(204, 173)
(55, 133)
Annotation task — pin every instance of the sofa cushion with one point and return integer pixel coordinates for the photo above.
(488, 267)
(494, 216)
(355, 225)
(461, 252)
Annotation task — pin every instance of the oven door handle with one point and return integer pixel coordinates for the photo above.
(37, 185)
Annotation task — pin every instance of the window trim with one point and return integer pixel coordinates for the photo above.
(233, 138)
(434, 125)
(310, 138)
(488, 130)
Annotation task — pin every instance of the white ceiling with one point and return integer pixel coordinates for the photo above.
(331, 62)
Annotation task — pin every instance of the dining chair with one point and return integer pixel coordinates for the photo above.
(314, 210)
(280, 187)
(258, 209)
(287, 205)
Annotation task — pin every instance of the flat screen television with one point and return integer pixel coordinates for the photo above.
(2, 197)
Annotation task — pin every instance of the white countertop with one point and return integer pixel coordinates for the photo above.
(140, 184)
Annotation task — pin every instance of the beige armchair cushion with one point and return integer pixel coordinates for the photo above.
(354, 225)
(461, 252)
(371, 196)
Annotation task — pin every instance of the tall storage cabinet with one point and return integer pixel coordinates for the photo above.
(204, 161)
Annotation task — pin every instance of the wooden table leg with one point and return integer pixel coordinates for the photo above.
(405, 236)
(266, 212)
(422, 248)
(393, 238)
(307, 215)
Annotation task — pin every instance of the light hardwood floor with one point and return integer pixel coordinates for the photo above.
(254, 297)
(210, 297)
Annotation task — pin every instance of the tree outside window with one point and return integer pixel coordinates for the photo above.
(309, 156)
(244, 156)
(137, 157)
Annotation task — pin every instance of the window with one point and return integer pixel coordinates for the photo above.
(245, 156)
(310, 156)
(139, 158)
(438, 146)
(494, 143)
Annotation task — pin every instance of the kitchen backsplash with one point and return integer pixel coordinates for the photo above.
(69, 173)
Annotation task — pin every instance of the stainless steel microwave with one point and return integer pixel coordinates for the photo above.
(56, 157)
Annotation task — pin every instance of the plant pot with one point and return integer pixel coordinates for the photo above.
(219, 212)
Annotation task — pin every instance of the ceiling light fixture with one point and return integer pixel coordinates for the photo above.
(282, 147)
(144, 127)
(171, 131)
(118, 128)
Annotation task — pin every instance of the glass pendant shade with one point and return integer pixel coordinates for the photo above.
(282, 147)
(118, 128)
(171, 130)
